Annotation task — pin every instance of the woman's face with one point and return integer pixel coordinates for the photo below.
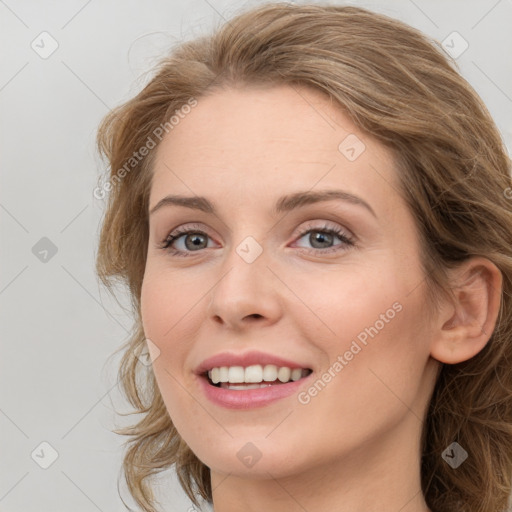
(334, 286)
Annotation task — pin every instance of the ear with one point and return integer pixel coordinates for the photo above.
(464, 325)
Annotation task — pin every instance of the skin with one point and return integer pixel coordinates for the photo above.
(356, 445)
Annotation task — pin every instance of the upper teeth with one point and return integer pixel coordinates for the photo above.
(255, 373)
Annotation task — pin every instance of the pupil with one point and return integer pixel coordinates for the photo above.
(196, 240)
(319, 237)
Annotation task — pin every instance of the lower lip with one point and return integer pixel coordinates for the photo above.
(250, 398)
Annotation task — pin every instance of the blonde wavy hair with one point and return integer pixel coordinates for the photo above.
(398, 86)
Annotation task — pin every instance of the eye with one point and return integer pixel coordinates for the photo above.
(320, 237)
(193, 241)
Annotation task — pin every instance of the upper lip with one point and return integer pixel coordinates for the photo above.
(245, 359)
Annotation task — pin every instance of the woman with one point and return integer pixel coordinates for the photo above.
(311, 209)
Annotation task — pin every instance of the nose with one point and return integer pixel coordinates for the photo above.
(247, 292)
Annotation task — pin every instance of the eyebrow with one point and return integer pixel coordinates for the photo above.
(283, 204)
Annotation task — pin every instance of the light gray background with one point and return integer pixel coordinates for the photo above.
(58, 327)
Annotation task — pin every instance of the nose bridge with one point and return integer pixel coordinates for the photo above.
(246, 286)
(245, 266)
(249, 251)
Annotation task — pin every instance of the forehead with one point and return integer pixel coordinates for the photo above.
(251, 143)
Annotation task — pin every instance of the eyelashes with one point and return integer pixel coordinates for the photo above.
(331, 231)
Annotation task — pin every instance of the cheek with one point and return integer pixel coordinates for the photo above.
(342, 304)
(164, 311)
(385, 348)
(165, 303)
(373, 383)
(373, 318)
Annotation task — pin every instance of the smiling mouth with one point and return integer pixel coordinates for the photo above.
(222, 378)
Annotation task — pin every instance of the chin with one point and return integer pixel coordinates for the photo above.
(253, 459)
